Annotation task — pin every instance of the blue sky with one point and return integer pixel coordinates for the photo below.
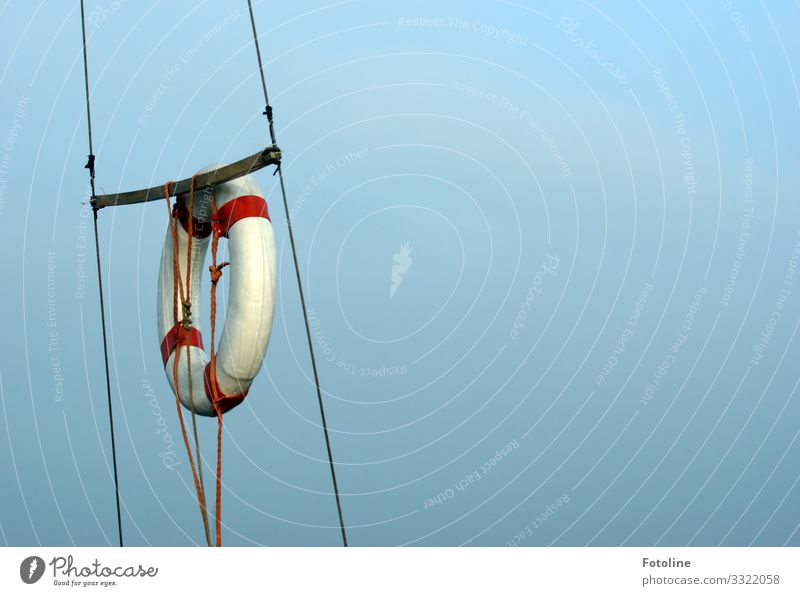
(594, 341)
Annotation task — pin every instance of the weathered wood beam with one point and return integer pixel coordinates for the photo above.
(269, 156)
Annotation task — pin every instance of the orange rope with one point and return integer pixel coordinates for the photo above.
(187, 324)
(216, 274)
(178, 288)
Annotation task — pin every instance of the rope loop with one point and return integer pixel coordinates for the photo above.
(216, 271)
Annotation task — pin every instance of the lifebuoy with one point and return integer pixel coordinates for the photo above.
(244, 220)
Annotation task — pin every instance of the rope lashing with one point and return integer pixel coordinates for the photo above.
(186, 321)
(90, 166)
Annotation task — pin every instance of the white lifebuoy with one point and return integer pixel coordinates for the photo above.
(244, 220)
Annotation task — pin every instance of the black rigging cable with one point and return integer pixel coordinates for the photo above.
(90, 167)
(268, 114)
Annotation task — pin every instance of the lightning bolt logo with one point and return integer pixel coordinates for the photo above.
(402, 263)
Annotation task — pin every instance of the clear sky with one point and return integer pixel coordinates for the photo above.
(549, 248)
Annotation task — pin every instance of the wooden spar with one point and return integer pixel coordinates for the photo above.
(269, 156)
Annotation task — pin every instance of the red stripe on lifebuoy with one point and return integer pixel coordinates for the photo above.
(226, 402)
(241, 208)
(200, 229)
(177, 336)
